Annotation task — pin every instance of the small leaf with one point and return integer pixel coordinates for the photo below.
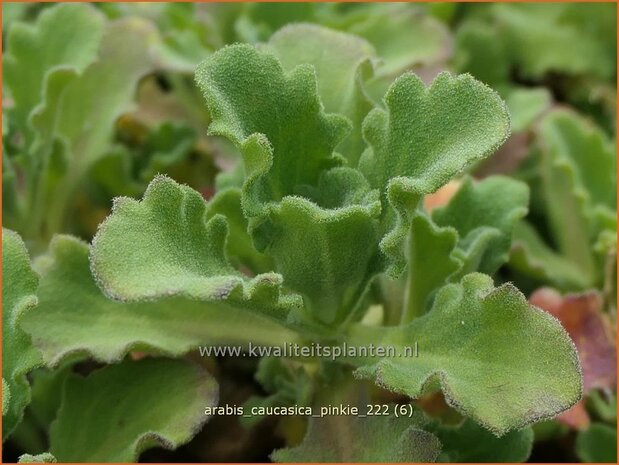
(19, 356)
(430, 263)
(469, 443)
(75, 318)
(484, 214)
(529, 373)
(531, 256)
(598, 444)
(369, 439)
(342, 63)
(116, 413)
(227, 202)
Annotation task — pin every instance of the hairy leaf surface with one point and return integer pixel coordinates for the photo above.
(109, 416)
(19, 356)
(500, 361)
(75, 318)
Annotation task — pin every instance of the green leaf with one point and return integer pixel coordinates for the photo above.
(75, 319)
(330, 277)
(469, 443)
(274, 118)
(163, 247)
(484, 214)
(536, 35)
(597, 444)
(6, 397)
(116, 413)
(46, 457)
(425, 137)
(529, 373)
(431, 262)
(578, 182)
(530, 255)
(85, 118)
(432, 134)
(370, 439)
(481, 50)
(342, 63)
(227, 202)
(66, 36)
(19, 356)
(403, 37)
(294, 159)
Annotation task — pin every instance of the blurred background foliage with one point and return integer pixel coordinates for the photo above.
(553, 63)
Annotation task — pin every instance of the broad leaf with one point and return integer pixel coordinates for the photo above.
(275, 119)
(294, 159)
(227, 202)
(369, 439)
(529, 373)
(117, 412)
(75, 318)
(342, 63)
(163, 246)
(432, 134)
(404, 38)
(19, 356)
(66, 36)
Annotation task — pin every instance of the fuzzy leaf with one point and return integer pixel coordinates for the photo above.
(370, 439)
(484, 214)
(19, 356)
(163, 247)
(227, 202)
(294, 159)
(342, 64)
(275, 119)
(45, 457)
(469, 443)
(76, 319)
(529, 373)
(116, 413)
(66, 36)
(432, 134)
(430, 263)
(330, 277)
(6, 397)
